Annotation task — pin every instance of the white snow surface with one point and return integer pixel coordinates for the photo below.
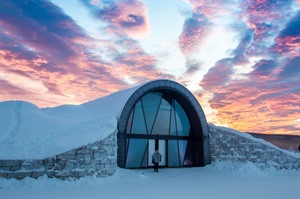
(220, 180)
(28, 132)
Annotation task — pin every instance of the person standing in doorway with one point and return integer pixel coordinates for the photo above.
(156, 158)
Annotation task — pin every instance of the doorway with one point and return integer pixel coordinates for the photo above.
(161, 146)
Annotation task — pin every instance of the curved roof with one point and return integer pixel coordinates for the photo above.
(120, 104)
(182, 95)
(176, 90)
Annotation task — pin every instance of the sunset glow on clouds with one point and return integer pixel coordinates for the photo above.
(241, 59)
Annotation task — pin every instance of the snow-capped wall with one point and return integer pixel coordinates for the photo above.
(228, 144)
(98, 158)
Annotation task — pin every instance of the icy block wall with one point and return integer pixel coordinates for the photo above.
(98, 158)
(227, 144)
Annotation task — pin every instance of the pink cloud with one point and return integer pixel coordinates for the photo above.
(264, 17)
(288, 45)
(218, 75)
(195, 30)
(253, 105)
(129, 17)
(35, 68)
(235, 109)
(200, 21)
(78, 79)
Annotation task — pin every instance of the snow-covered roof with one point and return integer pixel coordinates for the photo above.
(27, 131)
(111, 105)
(31, 132)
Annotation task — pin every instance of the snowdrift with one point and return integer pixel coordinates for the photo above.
(28, 132)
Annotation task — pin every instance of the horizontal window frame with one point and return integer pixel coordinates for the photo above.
(161, 137)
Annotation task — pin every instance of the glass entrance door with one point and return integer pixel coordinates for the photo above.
(161, 146)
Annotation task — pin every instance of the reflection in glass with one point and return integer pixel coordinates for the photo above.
(188, 160)
(173, 156)
(154, 114)
(182, 148)
(138, 125)
(136, 152)
(162, 122)
(182, 121)
(145, 158)
(151, 102)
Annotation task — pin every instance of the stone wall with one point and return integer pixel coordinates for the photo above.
(98, 158)
(227, 144)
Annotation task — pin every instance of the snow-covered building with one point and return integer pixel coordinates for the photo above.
(122, 129)
(162, 115)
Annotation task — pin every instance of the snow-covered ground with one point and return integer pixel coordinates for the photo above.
(224, 180)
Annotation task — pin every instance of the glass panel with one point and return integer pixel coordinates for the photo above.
(182, 148)
(136, 152)
(129, 123)
(173, 157)
(138, 125)
(145, 159)
(188, 161)
(162, 150)
(173, 123)
(151, 149)
(198, 151)
(162, 122)
(151, 103)
(182, 121)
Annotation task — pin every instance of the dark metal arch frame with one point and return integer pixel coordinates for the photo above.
(190, 105)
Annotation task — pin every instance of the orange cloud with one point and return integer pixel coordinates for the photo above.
(255, 107)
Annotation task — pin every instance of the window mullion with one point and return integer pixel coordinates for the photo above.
(144, 116)
(156, 115)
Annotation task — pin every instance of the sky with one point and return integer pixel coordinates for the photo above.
(241, 59)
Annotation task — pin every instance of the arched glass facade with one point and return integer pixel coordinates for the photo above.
(158, 121)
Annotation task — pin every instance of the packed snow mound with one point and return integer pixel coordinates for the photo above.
(112, 104)
(70, 112)
(28, 132)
